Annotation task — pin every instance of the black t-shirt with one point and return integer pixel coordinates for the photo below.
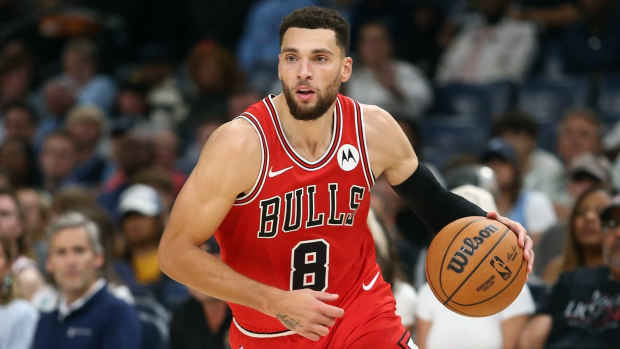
(585, 307)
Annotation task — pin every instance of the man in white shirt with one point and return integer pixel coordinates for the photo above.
(492, 47)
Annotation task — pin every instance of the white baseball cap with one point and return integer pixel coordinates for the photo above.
(142, 199)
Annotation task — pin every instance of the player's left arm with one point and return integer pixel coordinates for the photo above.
(412, 180)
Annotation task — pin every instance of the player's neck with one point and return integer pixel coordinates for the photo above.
(309, 138)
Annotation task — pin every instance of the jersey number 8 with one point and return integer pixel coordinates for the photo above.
(310, 265)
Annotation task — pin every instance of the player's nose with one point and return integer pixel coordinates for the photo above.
(304, 72)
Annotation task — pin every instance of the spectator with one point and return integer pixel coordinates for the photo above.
(547, 14)
(201, 321)
(86, 125)
(394, 85)
(18, 319)
(586, 172)
(579, 132)
(80, 63)
(422, 25)
(240, 99)
(493, 47)
(581, 310)
(166, 153)
(16, 73)
(56, 100)
(30, 281)
(214, 75)
(58, 159)
(258, 47)
(192, 153)
(18, 158)
(592, 45)
(132, 152)
(389, 262)
(142, 223)
(88, 315)
(437, 327)
(530, 208)
(20, 122)
(36, 210)
(582, 247)
(541, 170)
(161, 181)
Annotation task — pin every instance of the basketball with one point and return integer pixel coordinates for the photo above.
(475, 266)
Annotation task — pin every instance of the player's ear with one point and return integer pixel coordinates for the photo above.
(347, 69)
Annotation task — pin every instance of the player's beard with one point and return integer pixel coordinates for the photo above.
(324, 101)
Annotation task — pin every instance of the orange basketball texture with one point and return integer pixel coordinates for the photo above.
(475, 266)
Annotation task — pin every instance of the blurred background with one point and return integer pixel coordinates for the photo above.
(105, 105)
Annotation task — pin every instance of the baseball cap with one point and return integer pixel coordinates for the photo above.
(610, 216)
(142, 199)
(476, 195)
(498, 148)
(587, 165)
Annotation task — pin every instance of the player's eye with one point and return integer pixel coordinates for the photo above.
(321, 59)
(290, 58)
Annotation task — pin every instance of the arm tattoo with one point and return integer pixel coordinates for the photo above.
(288, 321)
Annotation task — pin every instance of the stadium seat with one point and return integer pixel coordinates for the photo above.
(608, 102)
(548, 100)
(479, 100)
(446, 137)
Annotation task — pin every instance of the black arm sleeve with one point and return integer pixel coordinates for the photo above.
(432, 203)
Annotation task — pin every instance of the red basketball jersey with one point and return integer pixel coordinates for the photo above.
(303, 225)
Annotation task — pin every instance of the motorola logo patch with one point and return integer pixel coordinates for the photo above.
(348, 157)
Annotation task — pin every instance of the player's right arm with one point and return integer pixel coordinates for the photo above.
(228, 166)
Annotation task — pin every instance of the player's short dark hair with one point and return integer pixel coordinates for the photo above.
(315, 17)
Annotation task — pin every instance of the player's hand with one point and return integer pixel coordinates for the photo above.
(305, 312)
(525, 241)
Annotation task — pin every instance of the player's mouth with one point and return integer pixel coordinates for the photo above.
(304, 93)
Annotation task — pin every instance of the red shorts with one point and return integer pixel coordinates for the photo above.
(369, 321)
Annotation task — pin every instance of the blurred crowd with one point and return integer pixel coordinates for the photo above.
(105, 106)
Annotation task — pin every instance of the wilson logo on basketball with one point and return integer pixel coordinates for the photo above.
(469, 247)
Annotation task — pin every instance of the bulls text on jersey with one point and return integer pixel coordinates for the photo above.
(293, 204)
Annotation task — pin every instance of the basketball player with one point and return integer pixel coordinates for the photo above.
(287, 187)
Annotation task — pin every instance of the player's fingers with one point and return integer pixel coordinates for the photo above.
(324, 296)
(325, 320)
(311, 336)
(331, 311)
(320, 330)
(530, 253)
(516, 227)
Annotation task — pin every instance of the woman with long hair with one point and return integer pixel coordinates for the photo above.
(18, 319)
(583, 242)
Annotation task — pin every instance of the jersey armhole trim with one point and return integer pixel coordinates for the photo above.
(260, 180)
(361, 140)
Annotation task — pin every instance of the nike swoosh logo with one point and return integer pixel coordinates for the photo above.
(273, 173)
(371, 283)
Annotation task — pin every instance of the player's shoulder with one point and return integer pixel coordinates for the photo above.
(376, 116)
(236, 136)
(379, 123)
